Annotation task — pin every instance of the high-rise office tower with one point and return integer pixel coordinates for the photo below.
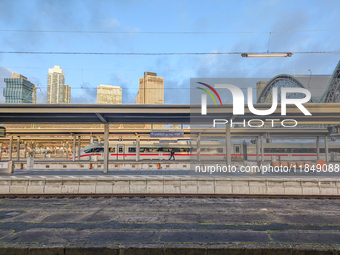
(109, 94)
(19, 90)
(67, 94)
(57, 91)
(151, 89)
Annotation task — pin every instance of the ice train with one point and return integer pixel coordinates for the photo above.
(209, 150)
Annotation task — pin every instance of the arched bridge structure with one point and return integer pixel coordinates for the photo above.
(330, 95)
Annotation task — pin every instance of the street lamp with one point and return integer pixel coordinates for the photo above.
(266, 55)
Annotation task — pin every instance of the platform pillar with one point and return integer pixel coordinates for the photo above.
(106, 148)
(326, 148)
(79, 139)
(137, 147)
(228, 144)
(318, 148)
(18, 148)
(262, 149)
(10, 148)
(67, 150)
(257, 148)
(199, 147)
(74, 148)
(25, 150)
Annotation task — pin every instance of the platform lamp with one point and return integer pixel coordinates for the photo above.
(267, 55)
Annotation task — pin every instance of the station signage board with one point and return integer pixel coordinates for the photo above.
(167, 133)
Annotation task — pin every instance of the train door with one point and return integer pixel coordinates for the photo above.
(121, 152)
(237, 149)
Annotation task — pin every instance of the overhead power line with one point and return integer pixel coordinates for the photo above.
(164, 32)
(179, 70)
(156, 53)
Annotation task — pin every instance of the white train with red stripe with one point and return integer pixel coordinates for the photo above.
(210, 150)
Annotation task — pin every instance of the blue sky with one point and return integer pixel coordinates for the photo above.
(85, 72)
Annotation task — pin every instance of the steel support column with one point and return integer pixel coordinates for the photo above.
(106, 148)
(326, 148)
(137, 147)
(18, 148)
(10, 148)
(199, 147)
(67, 150)
(262, 149)
(257, 149)
(318, 148)
(25, 150)
(228, 144)
(74, 148)
(79, 139)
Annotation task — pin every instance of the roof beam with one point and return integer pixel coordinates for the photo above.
(102, 119)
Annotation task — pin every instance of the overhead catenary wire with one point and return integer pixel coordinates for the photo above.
(178, 70)
(158, 53)
(165, 32)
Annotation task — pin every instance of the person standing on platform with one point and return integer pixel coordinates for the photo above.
(172, 154)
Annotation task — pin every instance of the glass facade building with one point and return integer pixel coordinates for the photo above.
(19, 90)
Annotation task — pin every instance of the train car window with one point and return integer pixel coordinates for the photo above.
(120, 149)
(88, 151)
(98, 150)
(237, 149)
(183, 149)
(166, 149)
(143, 149)
(132, 149)
(212, 150)
(112, 149)
(322, 150)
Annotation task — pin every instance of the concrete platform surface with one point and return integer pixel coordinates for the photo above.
(74, 173)
(166, 225)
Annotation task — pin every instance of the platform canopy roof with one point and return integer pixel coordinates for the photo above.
(322, 113)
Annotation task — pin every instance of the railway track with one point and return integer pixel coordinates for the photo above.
(169, 196)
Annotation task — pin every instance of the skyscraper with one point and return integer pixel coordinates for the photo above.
(109, 94)
(19, 90)
(57, 91)
(67, 94)
(151, 89)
